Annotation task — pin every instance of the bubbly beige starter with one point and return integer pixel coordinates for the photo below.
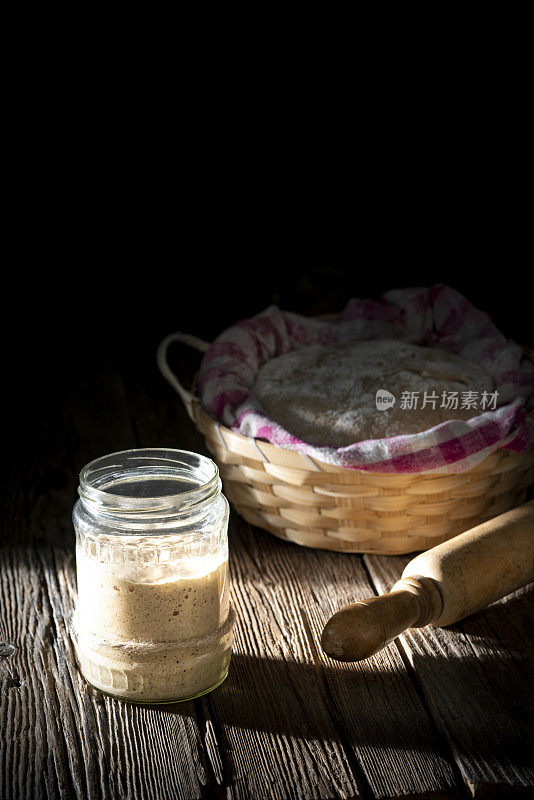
(165, 637)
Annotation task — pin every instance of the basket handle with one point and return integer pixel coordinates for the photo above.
(188, 397)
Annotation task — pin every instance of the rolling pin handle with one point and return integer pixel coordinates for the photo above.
(361, 629)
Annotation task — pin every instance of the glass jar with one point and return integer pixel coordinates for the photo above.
(153, 622)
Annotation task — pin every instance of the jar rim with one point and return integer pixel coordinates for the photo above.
(138, 471)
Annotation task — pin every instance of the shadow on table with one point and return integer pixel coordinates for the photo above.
(377, 704)
(329, 704)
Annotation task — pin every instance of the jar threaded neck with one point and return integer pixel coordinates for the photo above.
(148, 483)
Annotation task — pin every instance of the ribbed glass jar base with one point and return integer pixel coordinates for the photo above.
(161, 702)
(156, 673)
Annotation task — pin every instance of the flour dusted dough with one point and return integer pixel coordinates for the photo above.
(325, 395)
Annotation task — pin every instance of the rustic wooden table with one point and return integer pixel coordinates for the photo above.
(439, 713)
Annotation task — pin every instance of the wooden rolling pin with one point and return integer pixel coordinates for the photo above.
(440, 586)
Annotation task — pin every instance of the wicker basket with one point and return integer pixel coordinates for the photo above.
(319, 505)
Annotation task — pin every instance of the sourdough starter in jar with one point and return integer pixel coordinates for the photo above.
(153, 621)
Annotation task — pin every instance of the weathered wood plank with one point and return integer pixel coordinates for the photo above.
(283, 595)
(478, 679)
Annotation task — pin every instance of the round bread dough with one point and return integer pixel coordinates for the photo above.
(326, 395)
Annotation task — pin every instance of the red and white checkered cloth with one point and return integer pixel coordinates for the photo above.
(437, 317)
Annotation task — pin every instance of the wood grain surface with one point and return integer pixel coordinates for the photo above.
(440, 713)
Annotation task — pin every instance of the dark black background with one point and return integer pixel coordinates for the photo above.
(119, 250)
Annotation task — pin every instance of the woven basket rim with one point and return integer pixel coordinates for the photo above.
(267, 451)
